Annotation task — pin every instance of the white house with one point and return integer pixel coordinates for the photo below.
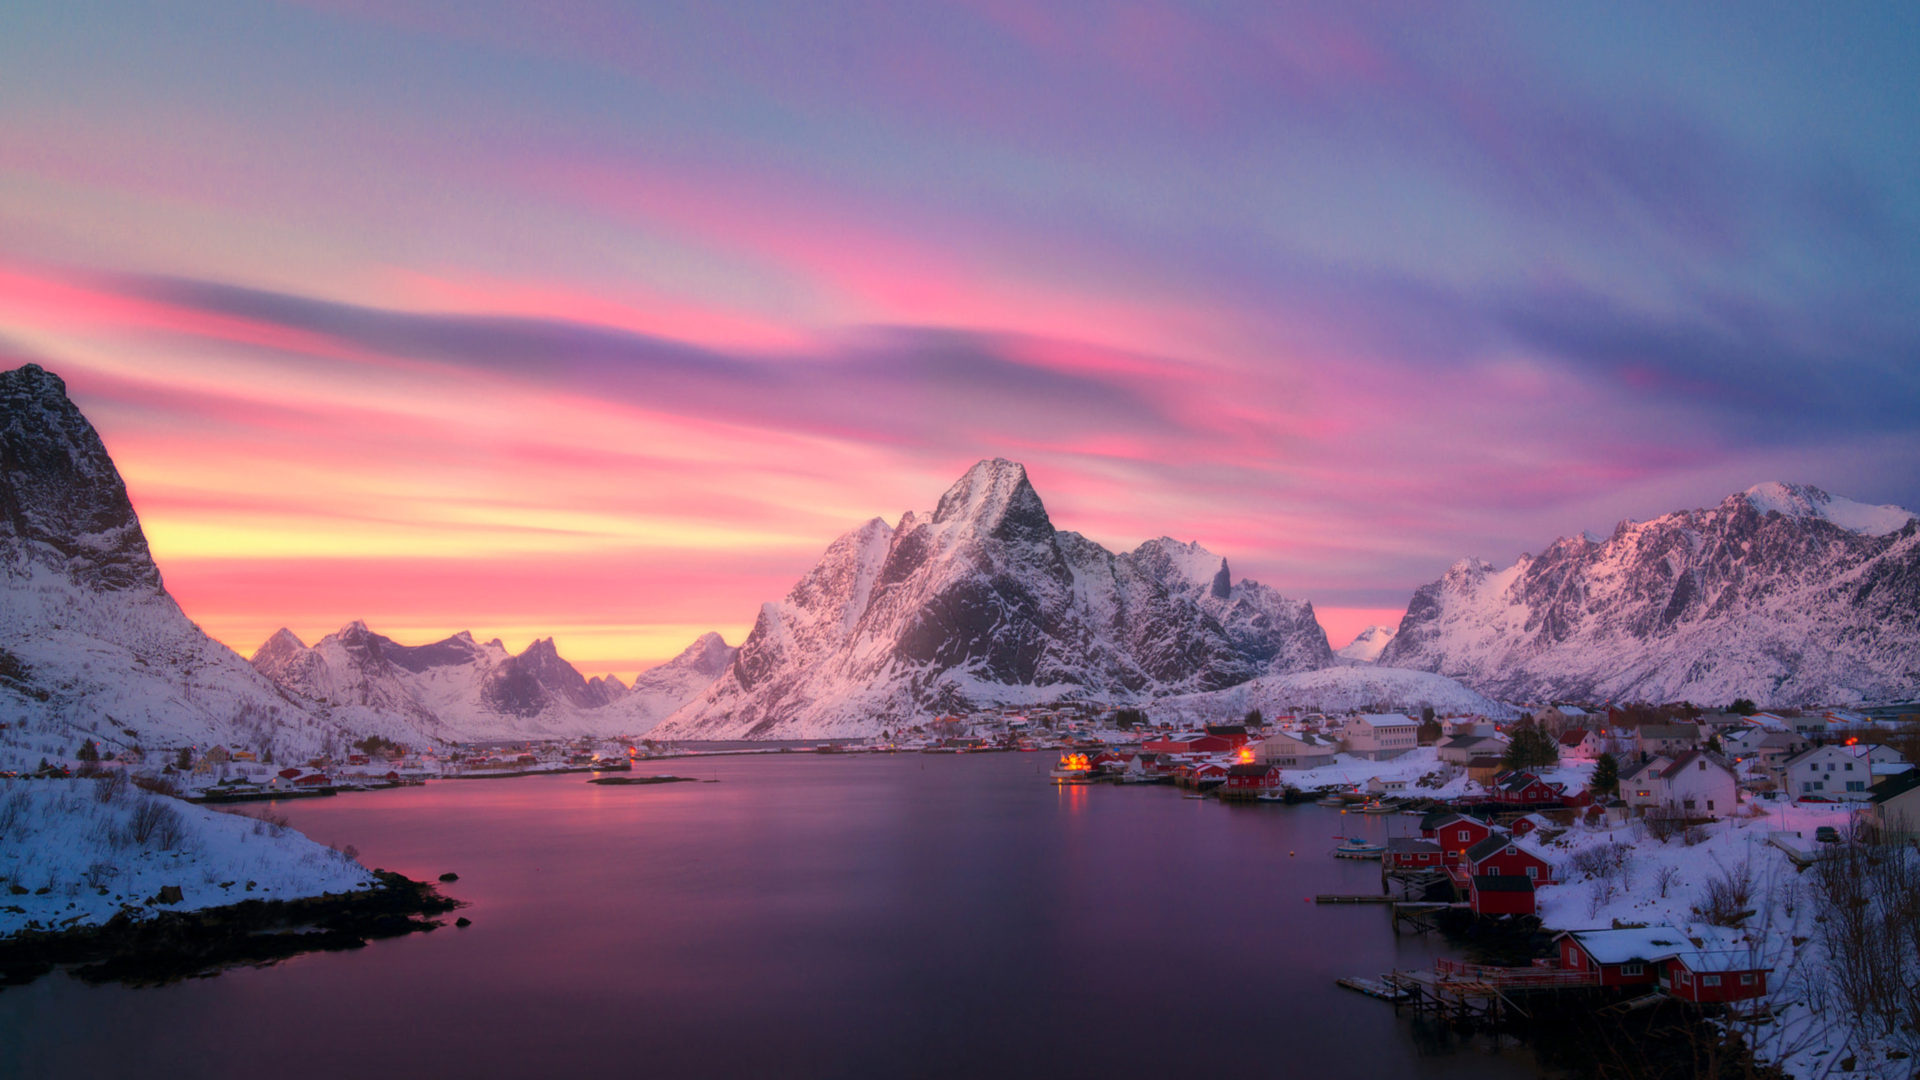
(1669, 739)
(1840, 773)
(1462, 749)
(1290, 751)
(1694, 782)
(1380, 735)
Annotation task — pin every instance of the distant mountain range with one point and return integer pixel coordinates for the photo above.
(1782, 594)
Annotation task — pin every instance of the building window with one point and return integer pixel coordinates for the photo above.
(1709, 804)
(1709, 980)
(1533, 871)
(1633, 969)
(1746, 978)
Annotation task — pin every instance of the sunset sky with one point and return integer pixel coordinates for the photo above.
(600, 320)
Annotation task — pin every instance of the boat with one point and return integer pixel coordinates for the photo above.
(1355, 847)
(1333, 800)
(1376, 808)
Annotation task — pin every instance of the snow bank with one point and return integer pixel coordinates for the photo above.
(84, 850)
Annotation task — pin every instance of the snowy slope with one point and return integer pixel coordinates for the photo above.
(983, 602)
(1781, 594)
(81, 842)
(91, 645)
(658, 691)
(1367, 645)
(1333, 689)
(462, 690)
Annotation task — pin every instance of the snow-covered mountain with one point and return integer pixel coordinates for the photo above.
(91, 644)
(1367, 644)
(1330, 690)
(463, 690)
(658, 691)
(1782, 594)
(983, 602)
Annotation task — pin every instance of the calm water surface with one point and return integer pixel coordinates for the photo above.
(808, 916)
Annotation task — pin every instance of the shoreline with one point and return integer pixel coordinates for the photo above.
(176, 945)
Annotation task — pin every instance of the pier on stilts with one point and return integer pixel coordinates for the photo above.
(1471, 994)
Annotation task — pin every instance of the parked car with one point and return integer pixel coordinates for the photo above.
(1826, 834)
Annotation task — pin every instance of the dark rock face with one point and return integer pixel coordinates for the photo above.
(1702, 605)
(526, 684)
(62, 503)
(983, 601)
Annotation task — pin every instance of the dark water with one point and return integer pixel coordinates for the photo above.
(809, 916)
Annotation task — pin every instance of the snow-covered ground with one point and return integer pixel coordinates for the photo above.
(83, 850)
(1444, 781)
(1656, 883)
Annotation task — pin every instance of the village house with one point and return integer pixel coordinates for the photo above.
(1561, 718)
(1455, 833)
(1462, 749)
(1668, 739)
(1893, 808)
(1627, 957)
(1697, 783)
(1253, 779)
(1835, 773)
(1192, 742)
(1505, 856)
(1500, 894)
(1290, 751)
(1379, 736)
(1715, 967)
(1412, 853)
(1525, 789)
(1581, 743)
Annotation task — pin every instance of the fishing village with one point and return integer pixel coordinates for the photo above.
(1652, 880)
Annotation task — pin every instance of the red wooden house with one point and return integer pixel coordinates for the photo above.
(1712, 978)
(1408, 853)
(1254, 778)
(1501, 894)
(1525, 789)
(1188, 743)
(1455, 833)
(311, 780)
(1622, 957)
(1504, 856)
(1720, 968)
(1200, 774)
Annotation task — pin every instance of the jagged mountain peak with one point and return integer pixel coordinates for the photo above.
(1808, 502)
(62, 503)
(994, 497)
(1367, 645)
(984, 602)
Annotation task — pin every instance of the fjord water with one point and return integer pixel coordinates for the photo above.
(807, 916)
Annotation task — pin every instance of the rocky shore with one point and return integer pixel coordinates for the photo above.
(170, 946)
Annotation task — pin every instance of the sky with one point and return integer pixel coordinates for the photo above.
(601, 320)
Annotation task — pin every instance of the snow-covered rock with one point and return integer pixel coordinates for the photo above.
(982, 602)
(1366, 646)
(1781, 594)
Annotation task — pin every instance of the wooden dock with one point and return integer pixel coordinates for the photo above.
(1353, 898)
(1376, 988)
